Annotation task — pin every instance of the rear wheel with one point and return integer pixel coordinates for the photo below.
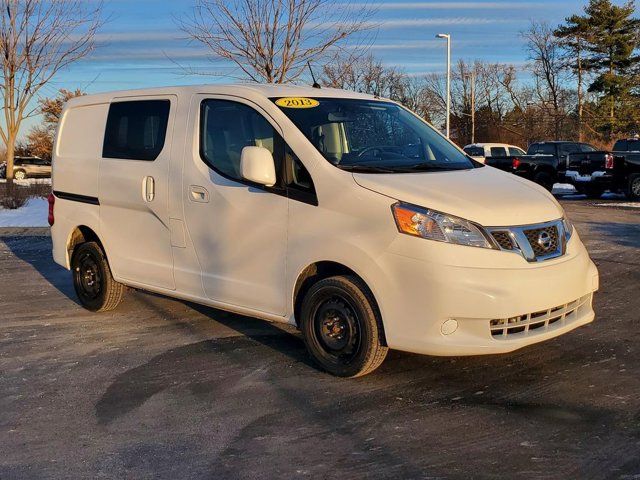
(593, 191)
(92, 279)
(633, 189)
(544, 179)
(19, 174)
(342, 328)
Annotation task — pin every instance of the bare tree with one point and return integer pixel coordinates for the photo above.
(272, 40)
(38, 38)
(364, 74)
(548, 69)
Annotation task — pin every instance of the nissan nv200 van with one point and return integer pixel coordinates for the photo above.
(340, 213)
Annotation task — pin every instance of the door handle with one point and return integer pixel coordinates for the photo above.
(198, 194)
(148, 189)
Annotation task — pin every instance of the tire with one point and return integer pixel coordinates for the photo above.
(593, 191)
(633, 187)
(545, 179)
(19, 174)
(342, 327)
(92, 279)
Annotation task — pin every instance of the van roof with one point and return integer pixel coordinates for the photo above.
(264, 90)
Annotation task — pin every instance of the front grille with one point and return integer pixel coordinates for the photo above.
(504, 239)
(536, 237)
(536, 243)
(539, 322)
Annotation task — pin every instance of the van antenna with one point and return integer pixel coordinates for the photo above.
(315, 84)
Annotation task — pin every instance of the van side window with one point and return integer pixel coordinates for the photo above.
(227, 127)
(136, 130)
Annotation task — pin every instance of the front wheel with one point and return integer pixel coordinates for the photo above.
(20, 175)
(342, 328)
(92, 279)
(633, 189)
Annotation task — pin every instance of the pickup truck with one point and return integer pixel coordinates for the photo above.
(626, 167)
(591, 173)
(544, 163)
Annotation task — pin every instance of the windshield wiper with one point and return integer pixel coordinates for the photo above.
(422, 167)
(369, 169)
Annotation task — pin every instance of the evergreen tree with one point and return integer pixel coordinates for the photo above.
(612, 41)
(574, 36)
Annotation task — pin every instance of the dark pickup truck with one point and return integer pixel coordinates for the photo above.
(545, 162)
(595, 172)
(591, 173)
(626, 167)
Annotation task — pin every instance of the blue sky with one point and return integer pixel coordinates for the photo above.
(141, 43)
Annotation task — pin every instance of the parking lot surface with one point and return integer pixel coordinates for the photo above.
(161, 388)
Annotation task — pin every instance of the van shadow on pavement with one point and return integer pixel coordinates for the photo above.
(36, 251)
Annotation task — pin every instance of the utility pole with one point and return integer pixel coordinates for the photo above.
(448, 38)
(473, 106)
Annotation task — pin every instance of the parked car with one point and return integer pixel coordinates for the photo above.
(27, 167)
(626, 167)
(480, 151)
(337, 212)
(544, 163)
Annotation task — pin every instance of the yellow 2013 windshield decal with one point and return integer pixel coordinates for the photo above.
(297, 102)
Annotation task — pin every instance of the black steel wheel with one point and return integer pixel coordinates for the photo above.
(342, 327)
(92, 279)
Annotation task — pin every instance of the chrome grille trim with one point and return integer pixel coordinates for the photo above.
(524, 242)
(538, 322)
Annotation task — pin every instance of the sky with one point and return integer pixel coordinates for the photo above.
(142, 46)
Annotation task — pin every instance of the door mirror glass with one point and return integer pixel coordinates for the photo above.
(256, 165)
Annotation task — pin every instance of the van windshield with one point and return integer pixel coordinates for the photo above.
(372, 136)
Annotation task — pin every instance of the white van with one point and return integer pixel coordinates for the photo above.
(338, 212)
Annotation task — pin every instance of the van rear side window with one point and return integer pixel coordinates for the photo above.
(136, 130)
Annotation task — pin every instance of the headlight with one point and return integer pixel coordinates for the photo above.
(568, 228)
(438, 226)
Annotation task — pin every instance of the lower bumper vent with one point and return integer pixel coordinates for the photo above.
(539, 322)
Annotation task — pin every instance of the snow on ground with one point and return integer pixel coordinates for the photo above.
(29, 181)
(563, 188)
(34, 213)
(619, 204)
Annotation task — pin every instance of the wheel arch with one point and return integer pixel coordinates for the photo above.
(319, 270)
(79, 235)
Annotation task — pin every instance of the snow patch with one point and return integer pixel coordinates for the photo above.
(619, 204)
(563, 188)
(33, 213)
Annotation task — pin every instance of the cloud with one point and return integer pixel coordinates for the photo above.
(445, 21)
(444, 5)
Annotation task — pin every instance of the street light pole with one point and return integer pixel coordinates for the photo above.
(473, 106)
(448, 37)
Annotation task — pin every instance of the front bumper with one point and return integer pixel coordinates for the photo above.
(454, 306)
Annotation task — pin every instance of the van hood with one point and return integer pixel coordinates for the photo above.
(483, 195)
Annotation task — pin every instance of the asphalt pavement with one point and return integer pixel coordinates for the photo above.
(165, 389)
